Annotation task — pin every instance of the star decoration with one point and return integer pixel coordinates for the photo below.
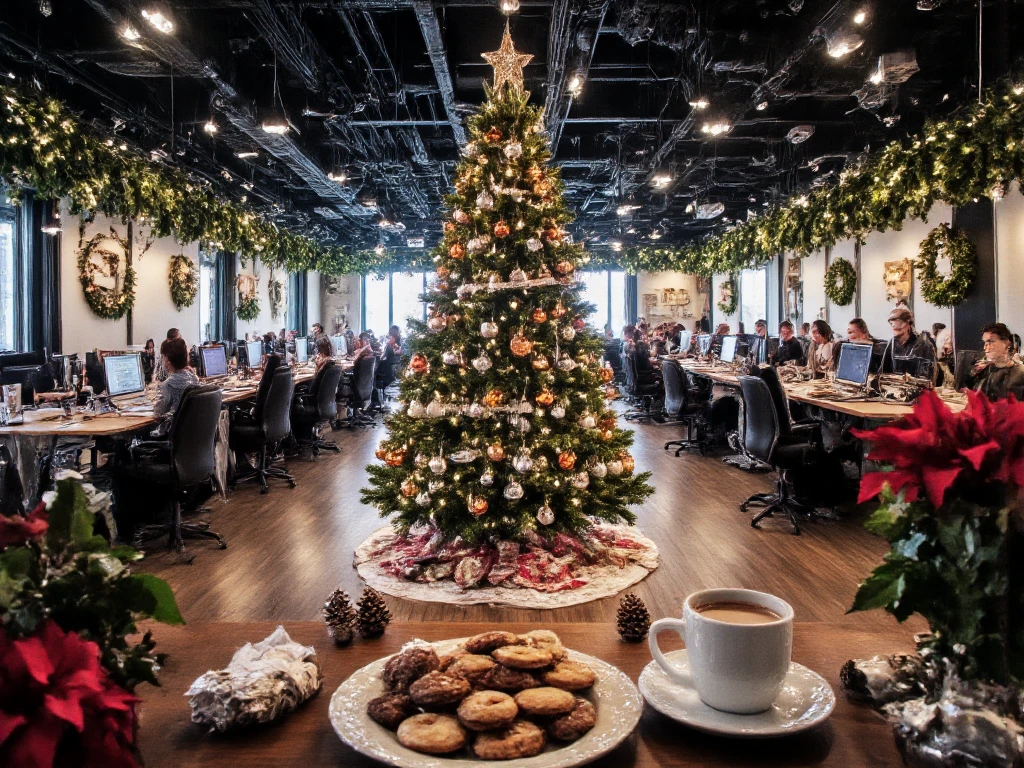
(508, 65)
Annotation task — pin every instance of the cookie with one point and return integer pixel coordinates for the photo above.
(488, 641)
(504, 678)
(548, 640)
(573, 725)
(437, 689)
(521, 739)
(545, 701)
(522, 657)
(569, 676)
(447, 659)
(486, 710)
(390, 709)
(473, 669)
(402, 669)
(432, 733)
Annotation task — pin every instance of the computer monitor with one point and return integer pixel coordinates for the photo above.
(339, 344)
(123, 374)
(854, 364)
(704, 343)
(684, 340)
(213, 361)
(301, 349)
(254, 353)
(771, 346)
(728, 353)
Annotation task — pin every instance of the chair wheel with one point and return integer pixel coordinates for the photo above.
(223, 545)
(292, 483)
(264, 490)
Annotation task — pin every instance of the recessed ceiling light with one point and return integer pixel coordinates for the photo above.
(210, 126)
(246, 155)
(275, 125)
(160, 22)
(509, 6)
(662, 180)
(860, 17)
(716, 129)
(700, 103)
(130, 33)
(762, 106)
(340, 178)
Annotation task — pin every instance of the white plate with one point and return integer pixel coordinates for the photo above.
(616, 699)
(805, 700)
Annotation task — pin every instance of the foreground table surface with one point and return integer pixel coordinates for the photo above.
(853, 736)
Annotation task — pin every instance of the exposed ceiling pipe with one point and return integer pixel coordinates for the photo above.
(431, 30)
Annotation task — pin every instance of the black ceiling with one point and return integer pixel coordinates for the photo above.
(375, 90)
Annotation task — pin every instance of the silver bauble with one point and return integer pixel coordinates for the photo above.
(435, 485)
(534, 245)
(558, 411)
(475, 411)
(614, 467)
(438, 465)
(451, 357)
(588, 422)
(598, 469)
(437, 323)
(416, 410)
(489, 329)
(464, 291)
(517, 276)
(513, 491)
(523, 463)
(435, 409)
(580, 480)
(514, 150)
(484, 201)
(482, 363)
(566, 363)
(423, 499)
(568, 333)
(545, 515)
(487, 478)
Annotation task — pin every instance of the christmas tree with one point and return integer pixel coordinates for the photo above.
(504, 426)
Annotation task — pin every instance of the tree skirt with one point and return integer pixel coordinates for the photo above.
(536, 573)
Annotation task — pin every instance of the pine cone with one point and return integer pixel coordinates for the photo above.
(633, 620)
(373, 613)
(340, 617)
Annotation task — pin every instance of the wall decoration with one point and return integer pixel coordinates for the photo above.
(840, 282)
(794, 289)
(704, 284)
(248, 308)
(275, 294)
(898, 281)
(963, 263)
(728, 297)
(96, 259)
(183, 279)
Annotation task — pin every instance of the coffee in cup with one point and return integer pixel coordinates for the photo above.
(738, 643)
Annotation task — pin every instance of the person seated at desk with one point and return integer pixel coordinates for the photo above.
(149, 360)
(857, 332)
(907, 351)
(790, 349)
(161, 372)
(998, 375)
(824, 349)
(363, 348)
(180, 377)
(324, 352)
(722, 330)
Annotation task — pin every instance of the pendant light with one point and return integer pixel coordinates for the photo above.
(275, 122)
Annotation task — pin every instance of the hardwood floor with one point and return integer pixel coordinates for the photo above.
(287, 550)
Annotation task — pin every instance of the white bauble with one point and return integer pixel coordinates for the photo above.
(420, 460)
(476, 411)
(484, 201)
(489, 329)
(588, 422)
(435, 485)
(482, 363)
(545, 515)
(598, 469)
(614, 467)
(423, 499)
(568, 333)
(435, 409)
(416, 410)
(487, 478)
(451, 357)
(523, 463)
(517, 276)
(513, 491)
(534, 244)
(566, 363)
(558, 411)
(514, 150)
(437, 323)
(580, 480)
(438, 465)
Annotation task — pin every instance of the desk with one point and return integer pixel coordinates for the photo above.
(854, 736)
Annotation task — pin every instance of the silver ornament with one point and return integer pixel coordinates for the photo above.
(476, 244)
(423, 499)
(534, 244)
(558, 411)
(476, 411)
(513, 491)
(482, 363)
(614, 467)
(464, 456)
(487, 478)
(568, 333)
(514, 150)
(484, 201)
(464, 291)
(489, 329)
(566, 363)
(588, 422)
(580, 480)
(438, 465)
(545, 515)
(598, 469)
(437, 323)
(451, 357)
(523, 463)
(435, 409)
(420, 460)
(522, 424)
(416, 410)
(517, 276)
(460, 216)
(435, 485)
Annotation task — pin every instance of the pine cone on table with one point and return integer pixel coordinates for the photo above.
(633, 619)
(373, 613)
(340, 617)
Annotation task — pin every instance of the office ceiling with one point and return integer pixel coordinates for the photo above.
(376, 90)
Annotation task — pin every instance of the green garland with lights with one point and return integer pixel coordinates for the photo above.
(728, 305)
(183, 280)
(946, 291)
(104, 302)
(840, 282)
(248, 308)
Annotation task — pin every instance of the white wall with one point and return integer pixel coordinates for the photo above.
(655, 283)
(312, 301)
(1009, 215)
(814, 287)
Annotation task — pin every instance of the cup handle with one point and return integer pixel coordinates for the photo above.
(674, 673)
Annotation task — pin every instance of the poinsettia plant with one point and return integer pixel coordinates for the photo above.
(68, 604)
(949, 509)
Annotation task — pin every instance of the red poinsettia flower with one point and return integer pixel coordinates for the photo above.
(57, 701)
(934, 447)
(16, 530)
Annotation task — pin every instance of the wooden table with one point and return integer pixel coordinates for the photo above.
(854, 736)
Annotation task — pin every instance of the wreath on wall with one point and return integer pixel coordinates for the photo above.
(840, 282)
(275, 293)
(108, 303)
(248, 308)
(183, 280)
(729, 300)
(946, 291)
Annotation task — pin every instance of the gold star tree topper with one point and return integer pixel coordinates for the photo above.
(508, 65)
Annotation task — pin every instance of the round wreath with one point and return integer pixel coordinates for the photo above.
(183, 280)
(840, 282)
(946, 291)
(248, 308)
(105, 302)
(728, 305)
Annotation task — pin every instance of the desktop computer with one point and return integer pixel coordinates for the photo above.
(301, 350)
(339, 345)
(123, 374)
(684, 340)
(728, 353)
(704, 343)
(213, 362)
(254, 353)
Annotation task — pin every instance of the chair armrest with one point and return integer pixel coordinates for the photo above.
(149, 448)
(807, 430)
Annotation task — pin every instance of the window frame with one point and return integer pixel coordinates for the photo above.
(392, 320)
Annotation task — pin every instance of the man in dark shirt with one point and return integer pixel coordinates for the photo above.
(907, 351)
(790, 349)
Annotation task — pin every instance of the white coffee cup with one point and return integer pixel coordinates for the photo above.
(736, 668)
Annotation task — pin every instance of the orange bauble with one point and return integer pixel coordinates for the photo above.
(608, 422)
(520, 345)
(457, 251)
(449, 226)
(495, 452)
(535, 173)
(606, 434)
(606, 375)
(494, 135)
(409, 488)
(558, 312)
(381, 453)
(564, 267)
(501, 229)
(453, 319)
(551, 233)
(628, 464)
(541, 363)
(442, 285)
(443, 273)
(567, 460)
(394, 458)
(494, 398)
(418, 363)
(545, 398)
(539, 315)
(477, 505)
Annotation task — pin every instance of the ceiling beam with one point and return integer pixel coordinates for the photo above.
(431, 30)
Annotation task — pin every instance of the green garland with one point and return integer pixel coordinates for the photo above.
(840, 282)
(728, 307)
(946, 291)
(248, 308)
(103, 301)
(183, 280)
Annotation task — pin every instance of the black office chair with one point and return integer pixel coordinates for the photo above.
(358, 393)
(681, 409)
(771, 437)
(311, 410)
(268, 424)
(642, 389)
(613, 354)
(183, 460)
(384, 377)
(966, 359)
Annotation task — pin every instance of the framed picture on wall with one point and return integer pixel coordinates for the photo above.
(899, 281)
(703, 284)
(794, 289)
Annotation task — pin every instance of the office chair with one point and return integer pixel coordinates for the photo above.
(358, 393)
(312, 409)
(613, 354)
(642, 390)
(771, 437)
(679, 407)
(268, 424)
(184, 459)
(384, 377)
(966, 359)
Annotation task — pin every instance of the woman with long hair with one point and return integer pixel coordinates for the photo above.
(822, 355)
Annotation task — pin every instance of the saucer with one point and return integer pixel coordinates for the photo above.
(805, 700)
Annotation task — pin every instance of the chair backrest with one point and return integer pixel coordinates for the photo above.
(269, 369)
(362, 378)
(276, 417)
(780, 401)
(675, 392)
(192, 434)
(614, 357)
(630, 373)
(966, 359)
(325, 388)
(760, 419)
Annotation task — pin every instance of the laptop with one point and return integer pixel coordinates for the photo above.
(213, 362)
(728, 353)
(123, 374)
(854, 367)
(254, 353)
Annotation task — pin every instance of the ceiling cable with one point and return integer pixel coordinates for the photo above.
(980, 4)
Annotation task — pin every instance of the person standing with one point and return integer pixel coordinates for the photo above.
(149, 360)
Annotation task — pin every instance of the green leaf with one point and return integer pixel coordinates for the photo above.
(908, 547)
(153, 597)
(881, 589)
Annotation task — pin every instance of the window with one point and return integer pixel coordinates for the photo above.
(207, 291)
(393, 300)
(7, 280)
(607, 292)
(753, 297)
